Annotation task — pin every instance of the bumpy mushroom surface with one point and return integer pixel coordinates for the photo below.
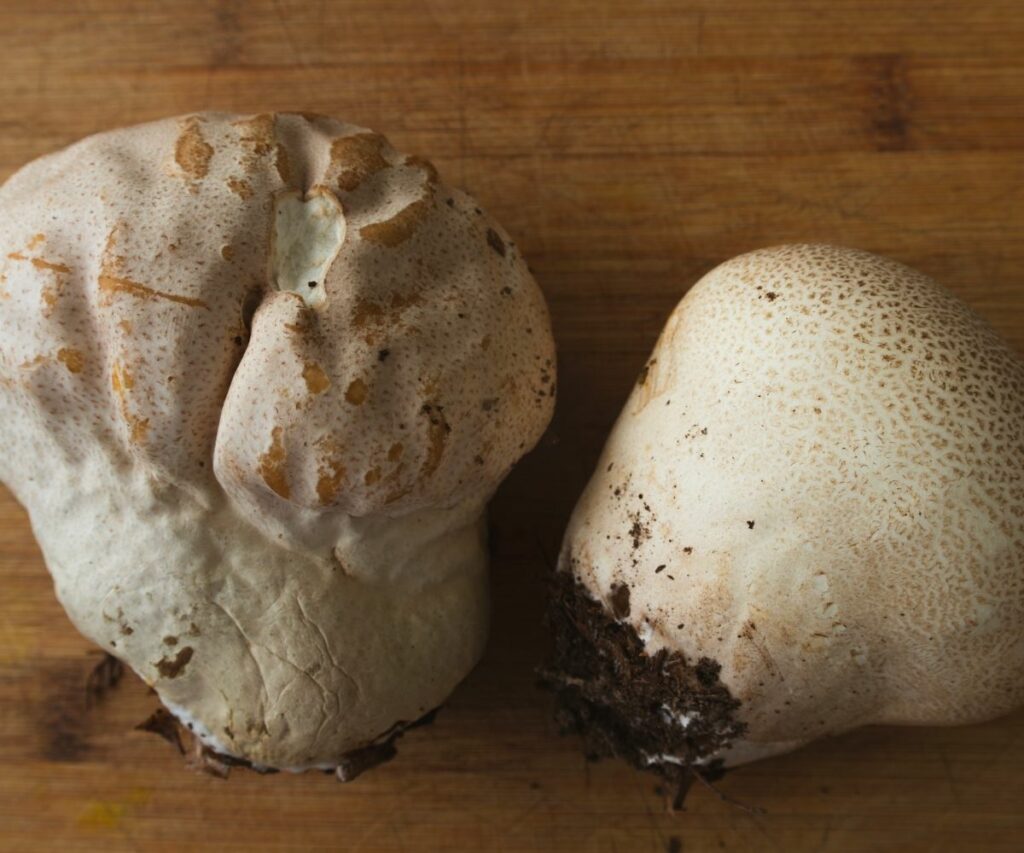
(259, 376)
(809, 517)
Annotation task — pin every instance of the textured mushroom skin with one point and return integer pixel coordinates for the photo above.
(818, 482)
(269, 503)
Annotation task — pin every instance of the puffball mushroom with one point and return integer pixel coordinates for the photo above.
(259, 376)
(809, 517)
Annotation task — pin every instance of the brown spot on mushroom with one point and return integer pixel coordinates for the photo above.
(173, 667)
(72, 359)
(114, 284)
(749, 632)
(227, 252)
(399, 228)
(49, 294)
(41, 264)
(257, 132)
(366, 313)
(256, 138)
(426, 166)
(111, 284)
(191, 151)
(437, 435)
(330, 477)
(495, 242)
(485, 344)
(645, 371)
(283, 164)
(395, 452)
(122, 381)
(35, 241)
(139, 429)
(170, 641)
(357, 392)
(316, 380)
(373, 318)
(357, 158)
(372, 476)
(240, 187)
(272, 464)
(110, 262)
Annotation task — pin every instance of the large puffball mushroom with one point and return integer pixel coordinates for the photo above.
(259, 376)
(809, 517)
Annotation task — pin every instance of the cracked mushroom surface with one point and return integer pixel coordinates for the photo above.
(259, 376)
(809, 517)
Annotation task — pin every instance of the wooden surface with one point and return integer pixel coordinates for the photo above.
(629, 147)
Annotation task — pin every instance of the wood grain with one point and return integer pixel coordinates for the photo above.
(629, 147)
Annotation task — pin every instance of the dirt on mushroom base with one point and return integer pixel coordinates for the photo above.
(658, 712)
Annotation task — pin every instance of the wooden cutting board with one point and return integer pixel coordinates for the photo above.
(629, 147)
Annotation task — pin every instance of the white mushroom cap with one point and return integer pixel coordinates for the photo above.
(818, 483)
(259, 377)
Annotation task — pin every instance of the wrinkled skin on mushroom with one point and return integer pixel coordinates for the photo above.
(259, 376)
(816, 492)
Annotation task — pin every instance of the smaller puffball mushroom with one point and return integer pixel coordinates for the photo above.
(809, 517)
(259, 377)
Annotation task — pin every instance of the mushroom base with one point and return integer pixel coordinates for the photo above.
(657, 712)
(202, 757)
